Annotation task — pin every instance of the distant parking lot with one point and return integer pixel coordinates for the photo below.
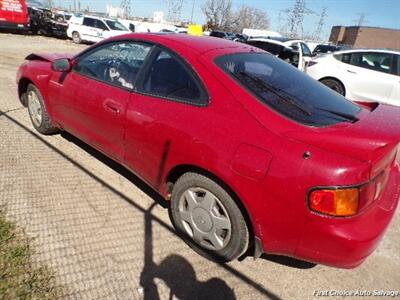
(107, 235)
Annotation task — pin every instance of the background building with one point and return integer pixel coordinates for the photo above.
(365, 37)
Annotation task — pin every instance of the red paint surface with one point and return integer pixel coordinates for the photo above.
(252, 149)
(14, 12)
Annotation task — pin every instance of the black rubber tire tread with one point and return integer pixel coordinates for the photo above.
(331, 81)
(239, 241)
(46, 127)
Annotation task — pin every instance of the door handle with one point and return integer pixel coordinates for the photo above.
(352, 72)
(113, 106)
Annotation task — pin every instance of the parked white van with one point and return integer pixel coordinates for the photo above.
(93, 28)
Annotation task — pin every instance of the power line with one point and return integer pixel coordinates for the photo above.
(126, 7)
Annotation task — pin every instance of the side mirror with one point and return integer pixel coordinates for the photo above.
(62, 65)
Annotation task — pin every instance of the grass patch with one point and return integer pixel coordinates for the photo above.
(20, 278)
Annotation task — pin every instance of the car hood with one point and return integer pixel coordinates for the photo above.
(50, 57)
(375, 134)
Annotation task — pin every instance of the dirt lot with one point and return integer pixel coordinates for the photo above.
(105, 233)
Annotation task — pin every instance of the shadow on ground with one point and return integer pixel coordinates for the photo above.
(176, 272)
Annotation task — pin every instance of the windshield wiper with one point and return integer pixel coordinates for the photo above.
(277, 92)
(343, 115)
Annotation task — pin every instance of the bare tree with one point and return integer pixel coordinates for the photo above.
(174, 10)
(218, 14)
(250, 17)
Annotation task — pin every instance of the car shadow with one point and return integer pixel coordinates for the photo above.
(279, 259)
(118, 168)
(152, 271)
(288, 261)
(177, 273)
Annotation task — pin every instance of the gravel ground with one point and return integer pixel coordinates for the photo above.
(108, 236)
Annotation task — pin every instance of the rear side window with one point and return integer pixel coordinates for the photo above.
(398, 64)
(287, 90)
(375, 61)
(168, 77)
(89, 22)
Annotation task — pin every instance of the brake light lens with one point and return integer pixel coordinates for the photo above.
(335, 202)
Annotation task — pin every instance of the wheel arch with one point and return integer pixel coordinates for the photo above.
(22, 88)
(179, 170)
(335, 79)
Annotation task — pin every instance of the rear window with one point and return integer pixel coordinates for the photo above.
(287, 90)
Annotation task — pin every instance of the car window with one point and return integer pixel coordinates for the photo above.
(168, 77)
(114, 25)
(294, 46)
(398, 64)
(89, 22)
(100, 25)
(375, 61)
(287, 90)
(269, 47)
(115, 63)
(306, 50)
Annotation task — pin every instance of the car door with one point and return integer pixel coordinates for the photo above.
(91, 100)
(169, 97)
(91, 30)
(297, 48)
(368, 75)
(102, 31)
(306, 55)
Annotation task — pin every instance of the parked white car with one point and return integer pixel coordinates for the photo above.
(276, 45)
(93, 28)
(360, 74)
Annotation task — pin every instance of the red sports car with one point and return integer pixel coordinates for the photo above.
(252, 153)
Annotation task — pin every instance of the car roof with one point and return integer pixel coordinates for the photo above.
(389, 51)
(92, 16)
(198, 44)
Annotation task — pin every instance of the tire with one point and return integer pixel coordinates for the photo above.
(198, 204)
(76, 37)
(334, 84)
(37, 111)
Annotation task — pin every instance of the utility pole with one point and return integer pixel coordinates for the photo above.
(126, 7)
(361, 20)
(320, 24)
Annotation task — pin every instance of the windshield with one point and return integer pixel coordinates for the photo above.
(114, 25)
(287, 90)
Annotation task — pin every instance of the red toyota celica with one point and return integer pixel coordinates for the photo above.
(252, 153)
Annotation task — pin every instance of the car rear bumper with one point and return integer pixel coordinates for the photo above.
(347, 242)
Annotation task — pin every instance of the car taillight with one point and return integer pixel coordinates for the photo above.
(311, 63)
(335, 202)
(373, 190)
(345, 202)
